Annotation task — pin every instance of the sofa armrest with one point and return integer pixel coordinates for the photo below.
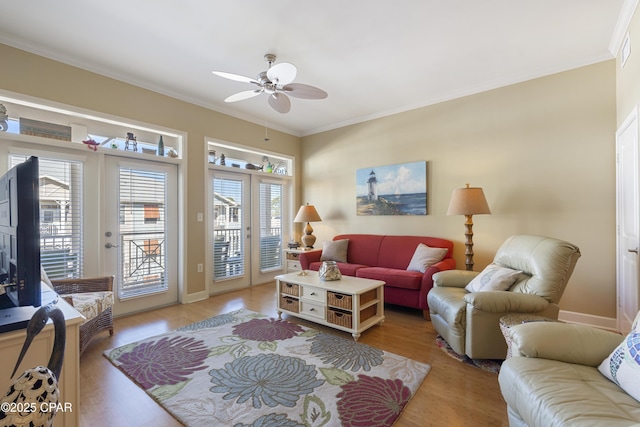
(307, 258)
(564, 342)
(453, 278)
(444, 265)
(506, 302)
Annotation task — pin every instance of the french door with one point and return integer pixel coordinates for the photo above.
(140, 232)
(230, 208)
(628, 213)
(245, 217)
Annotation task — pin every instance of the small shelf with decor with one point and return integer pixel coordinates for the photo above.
(24, 118)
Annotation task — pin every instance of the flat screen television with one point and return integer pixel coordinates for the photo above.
(20, 235)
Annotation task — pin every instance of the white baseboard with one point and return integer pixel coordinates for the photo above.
(607, 323)
(195, 297)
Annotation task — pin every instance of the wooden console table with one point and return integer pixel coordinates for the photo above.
(38, 354)
(350, 304)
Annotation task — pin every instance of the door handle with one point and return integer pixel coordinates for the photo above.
(635, 251)
(109, 245)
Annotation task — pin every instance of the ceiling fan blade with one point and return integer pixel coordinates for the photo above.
(303, 91)
(240, 96)
(236, 77)
(282, 74)
(280, 102)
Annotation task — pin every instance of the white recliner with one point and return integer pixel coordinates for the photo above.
(469, 321)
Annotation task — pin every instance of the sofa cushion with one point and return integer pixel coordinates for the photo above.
(392, 277)
(397, 251)
(363, 248)
(623, 364)
(494, 278)
(424, 257)
(335, 250)
(346, 269)
(551, 393)
(90, 304)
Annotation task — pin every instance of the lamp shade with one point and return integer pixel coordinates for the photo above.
(468, 201)
(307, 213)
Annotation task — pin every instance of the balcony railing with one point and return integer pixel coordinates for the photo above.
(228, 252)
(143, 263)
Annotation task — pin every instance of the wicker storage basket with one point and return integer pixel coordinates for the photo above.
(368, 312)
(339, 318)
(289, 289)
(335, 299)
(289, 304)
(368, 296)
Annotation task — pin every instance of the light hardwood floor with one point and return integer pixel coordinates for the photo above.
(453, 394)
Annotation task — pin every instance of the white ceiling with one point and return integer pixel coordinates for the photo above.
(374, 58)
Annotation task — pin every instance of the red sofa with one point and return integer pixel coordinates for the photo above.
(373, 256)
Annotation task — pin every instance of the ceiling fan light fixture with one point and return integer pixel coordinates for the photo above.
(263, 79)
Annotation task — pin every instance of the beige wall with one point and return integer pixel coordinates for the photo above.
(542, 150)
(36, 76)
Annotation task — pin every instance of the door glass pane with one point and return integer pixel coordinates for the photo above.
(60, 216)
(142, 231)
(270, 226)
(228, 244)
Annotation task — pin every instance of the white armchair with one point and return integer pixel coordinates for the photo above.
(469, 321)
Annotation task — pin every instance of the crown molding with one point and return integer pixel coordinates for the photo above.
(622, 25)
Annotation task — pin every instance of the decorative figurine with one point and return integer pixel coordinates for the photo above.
(4, 119)
(91, 144)
(222, 160)
(131, 137)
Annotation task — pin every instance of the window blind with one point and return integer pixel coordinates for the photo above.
(270, 212)
(142, 203)
(61, 235)
(228, 244)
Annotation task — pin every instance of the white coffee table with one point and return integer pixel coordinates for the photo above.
(350, 304)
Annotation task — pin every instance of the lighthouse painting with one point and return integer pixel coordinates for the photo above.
(392, 190)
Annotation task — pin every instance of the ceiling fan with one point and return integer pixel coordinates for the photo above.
(275, 82)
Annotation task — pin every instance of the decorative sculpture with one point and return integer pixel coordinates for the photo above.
(91, 144)
(4, 119)
(32, 400)
(131, 138)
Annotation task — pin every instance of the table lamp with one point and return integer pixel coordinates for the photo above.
(307, 213)
(468, 201)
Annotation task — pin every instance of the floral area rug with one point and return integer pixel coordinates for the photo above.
(484, 364)
(246, 369)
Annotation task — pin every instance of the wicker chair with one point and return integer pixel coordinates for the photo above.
(68, 288)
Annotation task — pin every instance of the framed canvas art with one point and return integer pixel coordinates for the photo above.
(392, 190)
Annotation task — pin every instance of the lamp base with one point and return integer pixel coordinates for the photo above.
(468, 232)
(308, 239)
